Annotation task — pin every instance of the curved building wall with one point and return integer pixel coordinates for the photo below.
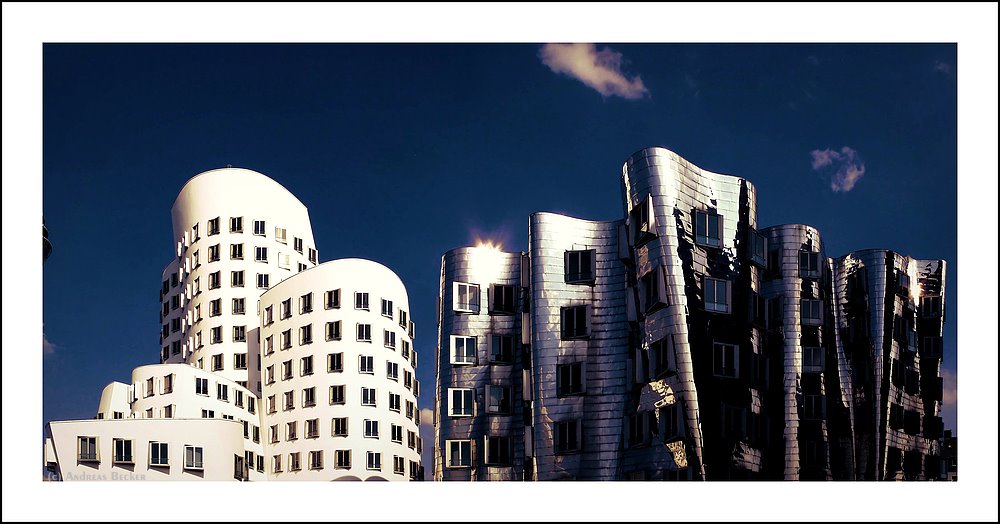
(469, 320)
(577, 432)
(115, 401)
(795, 277)
(262, 210)
(888, 314)
(287, 374)
(721, 417)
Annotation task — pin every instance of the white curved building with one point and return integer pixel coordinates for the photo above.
(340, 393)
(236, 233)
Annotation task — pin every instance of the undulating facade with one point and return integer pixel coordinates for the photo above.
(683, 342)
(312, 403)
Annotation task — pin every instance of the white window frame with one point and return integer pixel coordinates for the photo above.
(465, 357)
(464, 455)
(194, 458)
(472, 294)
(467, 407)
(163, 456)
(716, 306)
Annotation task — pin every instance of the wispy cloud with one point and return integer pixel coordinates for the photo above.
(599, 70)
(846, 165)
(48, 348)
(427, 434)
(942, 67)
(949, 395)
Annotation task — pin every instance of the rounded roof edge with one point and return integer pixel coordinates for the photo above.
(243, 170)
(678, 155)
(336, 262)
(457, 250)
(789, 225)
(571, 217)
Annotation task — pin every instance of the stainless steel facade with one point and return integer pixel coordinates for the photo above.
(683, 343)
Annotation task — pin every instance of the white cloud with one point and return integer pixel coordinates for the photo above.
(48, 348)
(949, 394)
(846, 164)
(942, 67)
(427, 434)
(600, 70)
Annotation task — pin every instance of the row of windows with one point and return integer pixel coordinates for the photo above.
(342, 460)
(222, 393)
(259, 229)
(88, 450)
(340, 427)
(331, 300)
(338, 396)
(464, 350)
(332, 332)
(498, 450)
(502, 298)
(195, 315)
(335, 364)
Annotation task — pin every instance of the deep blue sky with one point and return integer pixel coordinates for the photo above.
(401, 152)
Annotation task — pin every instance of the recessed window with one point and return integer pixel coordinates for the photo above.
(498, 451)
(579, 266)
(286, 308)
(463, 350)
(333, 330)
(902, 283)
(498, 400)
(368, 397)
(123, 451)
(286, 370)
(281, 234)
(335, 362)
(289, 397)
(638, 429)
(297, 244)
(87, 450)
(236, 225)
(462, 402)
(725, 360)
(394, 400)
(208, 413)
(240, 334)
(331, 299)
(342, 459)
(293, 462)
(733, 422)
(813, 407)
(389, 338)
(337, 394)
(717, 295)
(503, 299)
(387, 310)
(194, 457)
(403, 318)
(569, 379)
(374, 461)
(757, 248)
(407, 379)
(930, 306)
(567, 437)
(708, 228)
(812, 359)
(222, 391)
(398, 465)
(309, 397)
(313, 255)
(316, 459)
(312, 428)
(371, 428)
(237, 279)
(361, 301)
(159, 454)
(366, 364)
(263, 281)
(306, 303)
(364, 332)
(236, 251)
(305, 334)
(213, 253)
(213, 226)
(340, 427)
(259, 228)
(459, 453)
(306, 365)
(201, 386)
(642, 221)
(392, 371)
(812, 312)
(286, 339)
(808, 264)
(501, 349)
(653, 289)
(466, 297)
(575, 322)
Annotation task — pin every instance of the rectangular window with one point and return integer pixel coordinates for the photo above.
(757, 249)
(305, 334)
(387, 310)
(331, 299)
(312, 428)
(368, 397)
(194, 457)
(812, 359)
(569, 379)
(293, 462)
(397, 433)
(213, 253)
(459, 453)
(259, 228)
(361, 301)
(236, 251)
(335, 363)
(286, 339)
(236, 225)
(213, 226)
(404, 350)
(240, 334)
(316, 459)
(930, 306)
(575, 322)
(306, 303)
(708, 228)
(340, 427)
(808, 264)
(371, 428)
(263, 281)
(717, 295)
(123, 451)
(463, 350)
(286, 370)
(222, 391)
(653, 289)
(733, 422)
(313, 255)
(342, 459)
(398, 465)
(238, 400)
(813, 407)
(272, 405)
(503, 299)
(389, 338)
(333, 330)
(374, 461)
(462, 402)
(567, 437)
(392, 371)
(291, 430)
(466, 297)
(289, 400)
(286, 308)
(364, 332)
(403, 318)
(87, 449)
(498, 400)
(159, 454)
(207, 413)
(337, 395)
(812, 312)
(642, 221)
(217, 339)
(725, 360)
(306, 365)
(579, 266)
(297, 244)
(237, 279)
(366, 364)
(498, 451)
(201, 386)
(407, 379)
(215, 280)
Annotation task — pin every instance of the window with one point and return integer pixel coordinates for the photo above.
(757, 248)
(411, 409)
(305, 334)
(306, 303)
(213, 253)
(123, 451)
(462, 402)
(337, 395)
(194, 457)
(217, 339)
(198, 344)
(238, 401)
(725, 358)
(201, 386)
(293, 462)
(342, 459)
(207, 413)
(195, 263)
(306, 365)
(340, 427)
(335, 363)
(498, 451)
(567, 436)
(389, 338)
(236, 225)
(654, 291)
(407, 379)
(309, 397)
(316, 459)
(503, 299)
(236, 251)
(237, 279)
(466, 297)
(222, 392)
(272, 405)
(396, 433)
(215, 307)
(175, 325)
(286, 370)
(404, 350)
(812, 359)
(371, 428)
(312, 428)
(87, 449)
(463, 350)
(333, 330)
(387, 308)
(392, 371)
(498, 400)
(260, 254)
(268, 315)
(175, 346)
(366, 364)
(297, 244)
(364, 332)
(361, 301)
(286, 339)
(149, 387)
(263, 281)
(569, 379)
(276, 463)
(813, 407)
(368, 397)
(403, 318)
(579, 266)
(159, 454)
(173, 280)
(213, 226)
(240, 335)
(280, 234)
(575, 322)
(411, 439)
(374, 461)
(313, 255)
(812, 312)
(215, 280)
(251, 404)
(331, 299)
(642, 221)
(717, 295)
(289, 400)
(708, 228)
(459, 453)
(259, 228)
(398, 465)
(291, 428)
(808, 264)
(930, 306)
(394, 402)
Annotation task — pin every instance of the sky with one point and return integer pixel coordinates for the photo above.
(402, 152)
